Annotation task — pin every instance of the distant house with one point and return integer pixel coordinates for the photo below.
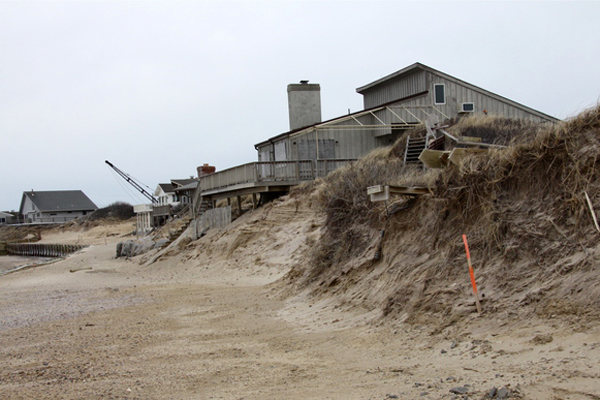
(184, 189)
(6, 218)
(165, 194)
(175, 193)
(55, 206)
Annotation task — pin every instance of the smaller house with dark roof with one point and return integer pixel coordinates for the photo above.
(165, 194)
(185, 189)
(55, 206)
(6, 218)
(175, 193)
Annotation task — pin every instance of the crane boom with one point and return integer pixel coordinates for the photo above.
(133, 183)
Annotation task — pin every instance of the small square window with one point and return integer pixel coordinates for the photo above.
(439, 93)
(468, 107)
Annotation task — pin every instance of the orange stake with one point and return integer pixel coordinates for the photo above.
(473, 283)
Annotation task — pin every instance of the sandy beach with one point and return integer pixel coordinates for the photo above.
(201, 324)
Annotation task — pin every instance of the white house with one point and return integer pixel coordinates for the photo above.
(55, 206)
(166, 195)
(5, 218)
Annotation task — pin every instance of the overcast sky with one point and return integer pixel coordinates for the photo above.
(159, 88)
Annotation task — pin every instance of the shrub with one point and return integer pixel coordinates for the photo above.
(118, 210)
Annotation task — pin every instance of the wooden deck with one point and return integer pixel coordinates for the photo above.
(263, 177)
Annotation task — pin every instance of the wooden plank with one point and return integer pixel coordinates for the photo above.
(375, 189)
(462, 142)
(409, 190)
(433, 158)
(384, 195)
(470, 139)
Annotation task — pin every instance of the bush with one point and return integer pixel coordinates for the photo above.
(118, 210)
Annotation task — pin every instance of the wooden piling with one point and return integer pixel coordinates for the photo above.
(40, 250)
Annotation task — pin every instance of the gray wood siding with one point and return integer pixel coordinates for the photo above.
(265, 152)
(456, 94)
(397, 89)
(339, 144)
(335, 141)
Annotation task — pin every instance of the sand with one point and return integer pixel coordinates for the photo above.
(215, 320)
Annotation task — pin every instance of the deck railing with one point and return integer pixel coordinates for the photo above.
(266, 171)
(271, 171)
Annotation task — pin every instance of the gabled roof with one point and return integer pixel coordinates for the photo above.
(59, 200)
(190, 186)
(404, 71)
(165, 187)
(177, 183)
(422, 67)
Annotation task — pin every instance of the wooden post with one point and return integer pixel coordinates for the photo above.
(254, 202)
(239, 200)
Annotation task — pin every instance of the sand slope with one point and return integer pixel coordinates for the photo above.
(215, 320)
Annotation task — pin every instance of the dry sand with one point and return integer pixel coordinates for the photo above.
(212, 321)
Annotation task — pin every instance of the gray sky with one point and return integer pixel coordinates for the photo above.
(159, 88)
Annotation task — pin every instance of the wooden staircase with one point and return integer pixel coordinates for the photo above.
(174, 234)
(204, 207)
(414, 147)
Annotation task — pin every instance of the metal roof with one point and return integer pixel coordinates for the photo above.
(59, 200)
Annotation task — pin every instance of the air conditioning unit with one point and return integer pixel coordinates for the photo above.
(468, 107)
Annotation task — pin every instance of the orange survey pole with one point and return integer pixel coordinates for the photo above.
(472, 275)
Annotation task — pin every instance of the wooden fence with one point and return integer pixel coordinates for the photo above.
(211, 219)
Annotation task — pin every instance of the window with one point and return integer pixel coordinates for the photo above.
(468, 107)
(439, 93)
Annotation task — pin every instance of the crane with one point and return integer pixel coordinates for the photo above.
(133, 183)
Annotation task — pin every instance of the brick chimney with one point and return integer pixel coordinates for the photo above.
(205, 170)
